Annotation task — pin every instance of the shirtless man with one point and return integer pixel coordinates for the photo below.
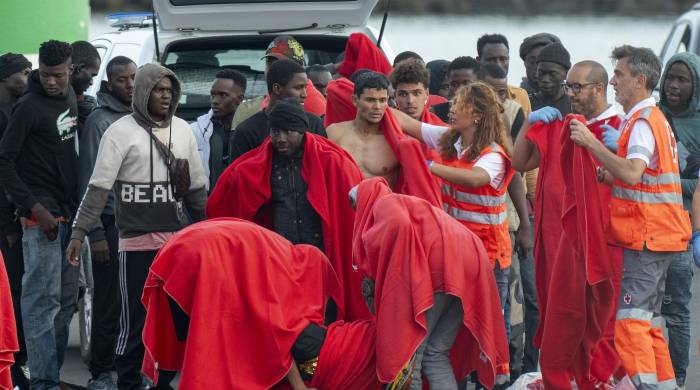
(363, 137)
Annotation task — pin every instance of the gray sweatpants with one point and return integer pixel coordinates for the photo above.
(443, 321)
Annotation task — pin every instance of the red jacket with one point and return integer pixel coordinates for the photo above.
(362, 53)
(243, 191)
(8, 330)
(248, 293)
(412, 250)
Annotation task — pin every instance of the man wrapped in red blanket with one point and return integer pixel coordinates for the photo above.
(232, 305)
(434, 293)
(311, 179)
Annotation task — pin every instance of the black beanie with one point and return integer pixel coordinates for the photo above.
(531, 42)
(288, 116)
(11, 63)
(556, 53)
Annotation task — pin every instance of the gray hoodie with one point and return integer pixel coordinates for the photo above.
(686, 126)
(109, 109)
(128, 161)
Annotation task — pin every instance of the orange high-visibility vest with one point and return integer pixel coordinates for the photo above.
(650, 214)
(483, 209)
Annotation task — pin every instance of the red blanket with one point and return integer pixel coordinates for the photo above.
(339, 98)
(412, 250)
(582, 297)
(362, 53)
(8, 330)
(548, 199)
(248, 293)
(314, 103)
(243, 191)
(433, 100)
(347, 359)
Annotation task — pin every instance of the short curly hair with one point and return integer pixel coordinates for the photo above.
(54, 52)
(410, 71)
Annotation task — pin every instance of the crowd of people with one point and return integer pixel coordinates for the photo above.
(364, 225)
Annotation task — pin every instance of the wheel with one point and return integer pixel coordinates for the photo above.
(85, 324)
(85, 303)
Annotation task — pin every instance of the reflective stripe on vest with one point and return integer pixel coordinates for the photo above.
(647, 197)
(482, 200)
(482, 218)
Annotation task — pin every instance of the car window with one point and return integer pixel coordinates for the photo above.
(196, 70)
(678, 41)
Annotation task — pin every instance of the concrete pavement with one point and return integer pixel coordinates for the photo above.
(75, 371)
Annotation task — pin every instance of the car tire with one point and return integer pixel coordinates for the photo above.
(85, 304)
(85, 324)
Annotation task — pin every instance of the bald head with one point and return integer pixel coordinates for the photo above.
(596, 72)
(587, 83)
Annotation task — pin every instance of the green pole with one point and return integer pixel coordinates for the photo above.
(28, 23)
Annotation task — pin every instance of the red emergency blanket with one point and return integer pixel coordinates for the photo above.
(248, 293)
(243, 191)
(339, 107)
(412, 250)
(362, 53)
(8, 330)
(578, 323)
(549, 193)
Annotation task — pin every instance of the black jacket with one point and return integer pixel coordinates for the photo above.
(293, 217)
(38, 158)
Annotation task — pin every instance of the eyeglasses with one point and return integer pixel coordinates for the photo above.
(576, 87)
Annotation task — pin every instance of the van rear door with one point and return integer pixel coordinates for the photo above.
(260, 15)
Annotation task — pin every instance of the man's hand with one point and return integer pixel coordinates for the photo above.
(73, 252)
(100, 251)
(523, 236)
(604, 176)
(544, 114)
(581, 135)
(610, 137)
(47, 223)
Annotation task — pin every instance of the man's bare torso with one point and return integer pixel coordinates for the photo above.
(370, 151)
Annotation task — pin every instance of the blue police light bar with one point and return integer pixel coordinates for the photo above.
(126, 20)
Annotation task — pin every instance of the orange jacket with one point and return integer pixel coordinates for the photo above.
(483, 209)
(650, 214)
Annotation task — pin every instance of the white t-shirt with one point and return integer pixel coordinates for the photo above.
(642, 144)
(492, 163)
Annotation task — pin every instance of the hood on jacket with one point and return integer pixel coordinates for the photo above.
(692, 61)
(146, 79)
(34, 86)
(105, 99)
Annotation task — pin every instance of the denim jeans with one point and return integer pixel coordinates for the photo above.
(49, 298)
(676, 311)
(502, 276)
(532, 314)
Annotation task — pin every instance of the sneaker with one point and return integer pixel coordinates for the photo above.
(103, 381)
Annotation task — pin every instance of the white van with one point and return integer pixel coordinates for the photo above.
(197, 38)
